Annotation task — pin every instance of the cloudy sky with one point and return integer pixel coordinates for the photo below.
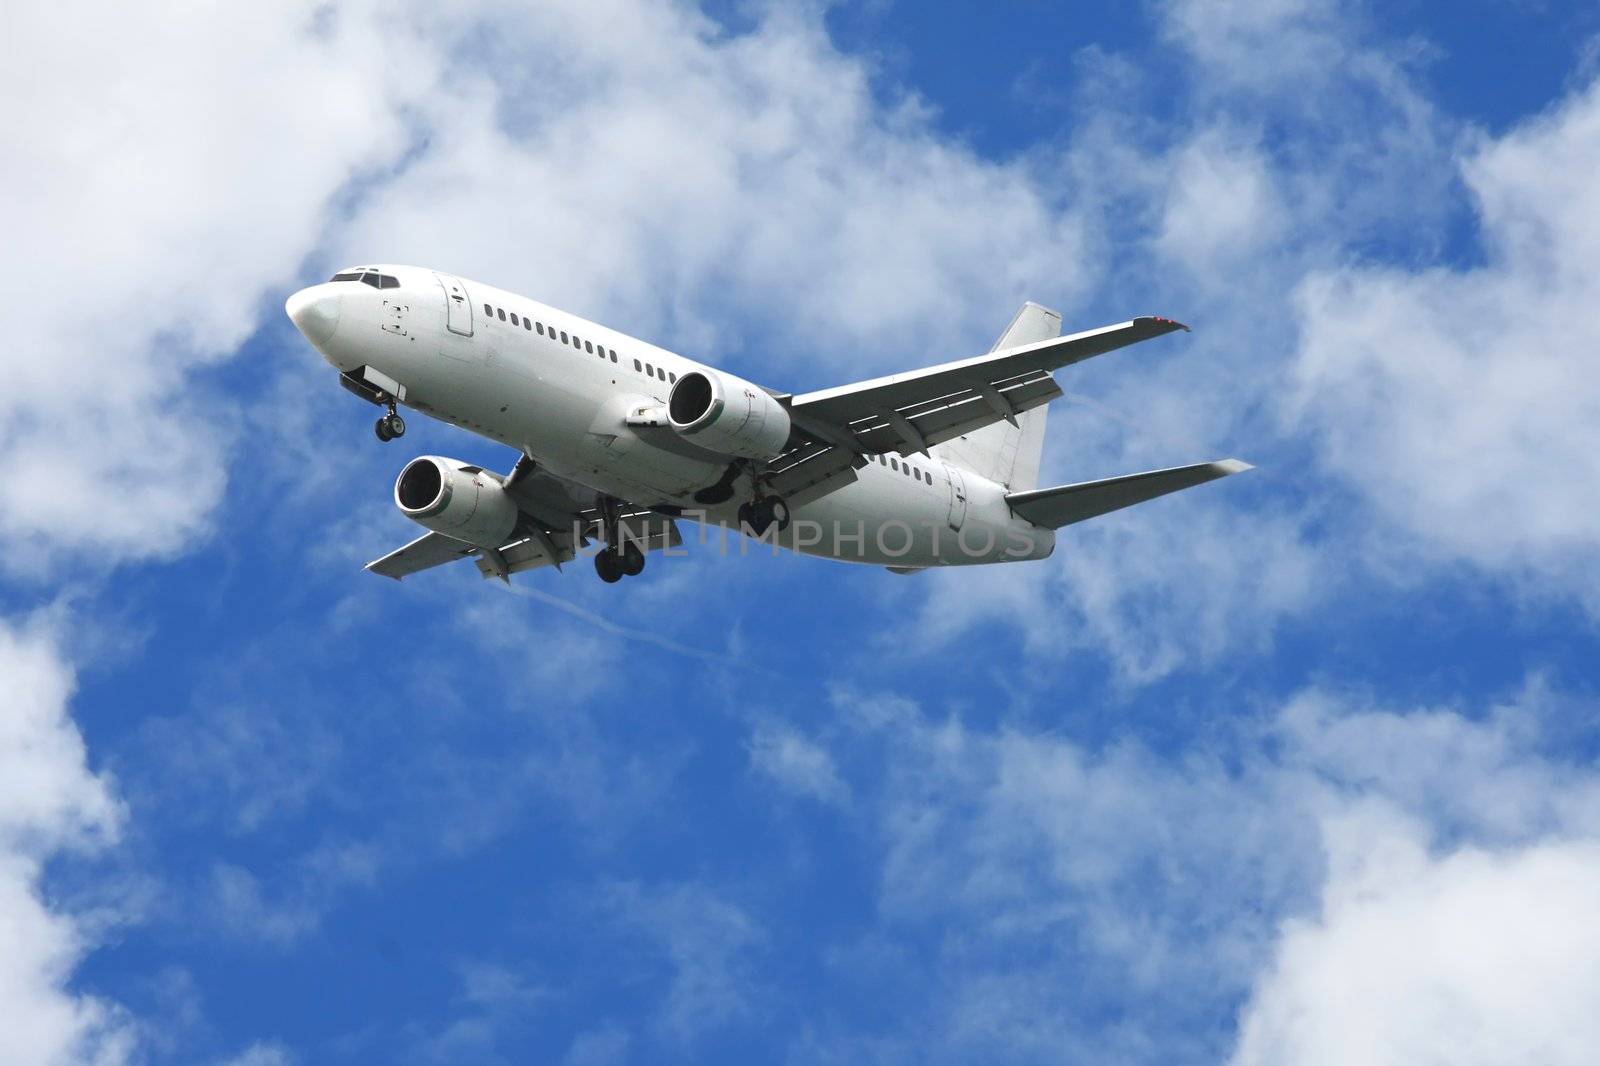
(1303, 767)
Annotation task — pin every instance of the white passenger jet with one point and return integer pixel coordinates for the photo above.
(619, 439)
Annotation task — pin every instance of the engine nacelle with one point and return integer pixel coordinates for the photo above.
(727, 415)
(460, 501)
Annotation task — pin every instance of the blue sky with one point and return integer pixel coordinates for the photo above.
(1297, 768)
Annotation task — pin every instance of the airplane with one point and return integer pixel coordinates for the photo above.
(619, 441)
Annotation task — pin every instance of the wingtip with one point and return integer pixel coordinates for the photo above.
(1232, 466)
(1168, 325)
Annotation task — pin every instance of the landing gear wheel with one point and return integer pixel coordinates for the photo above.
(779, 510)
(608, 566)
(632, 560)
(390, 425)
(746, 516)
(761, 516)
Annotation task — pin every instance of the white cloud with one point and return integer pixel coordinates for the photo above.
(797, 764)
(50, 802)
(1459, 403)
(262, 1054)
(238, 903)
(708, 945)
(1297, 139)
(599, 1047)
(245, 764)
(1171, 585)
(724, 178)
(1255, 42)
(1468, 957)
(158, 185)
(1058, 880)
(1222, 206)
(496, 1007)
(294, 899)
(1496, 778)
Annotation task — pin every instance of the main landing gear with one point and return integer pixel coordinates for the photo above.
(613, 564)
(390, 425)
(760, 514)
(619, 558)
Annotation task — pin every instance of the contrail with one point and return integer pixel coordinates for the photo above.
(600, 621)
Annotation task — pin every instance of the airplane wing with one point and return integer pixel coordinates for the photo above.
(835, 429)
(424, 553)
(558, 519)
(908, 412)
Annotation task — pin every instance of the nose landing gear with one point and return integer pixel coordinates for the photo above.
(390, 426)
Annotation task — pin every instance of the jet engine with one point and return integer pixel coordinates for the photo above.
(460, 501)
(727, 415)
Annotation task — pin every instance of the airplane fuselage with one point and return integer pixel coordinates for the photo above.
(577, 398)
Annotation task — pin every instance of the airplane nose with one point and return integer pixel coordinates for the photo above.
(314, 312)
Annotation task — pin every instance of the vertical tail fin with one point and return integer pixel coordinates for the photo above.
(1003, 452)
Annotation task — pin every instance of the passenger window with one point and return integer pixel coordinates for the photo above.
(540, 326)
(488, 310)
(613, 355)
(563, 336)
(672, 377)
(650, 370)
(588, 347)
(894, 464)
(514, 321)
(637, 365)
(501, 311)
(527, 323)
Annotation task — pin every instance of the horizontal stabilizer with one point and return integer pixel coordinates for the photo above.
(1066, 504)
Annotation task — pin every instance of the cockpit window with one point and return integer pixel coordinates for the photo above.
(368, 277)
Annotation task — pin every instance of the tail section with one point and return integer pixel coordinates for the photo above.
(1005, 452)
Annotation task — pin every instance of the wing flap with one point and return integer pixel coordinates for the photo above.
(949, 417)
(530, 553)
(1066, 504)
(814, 475)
